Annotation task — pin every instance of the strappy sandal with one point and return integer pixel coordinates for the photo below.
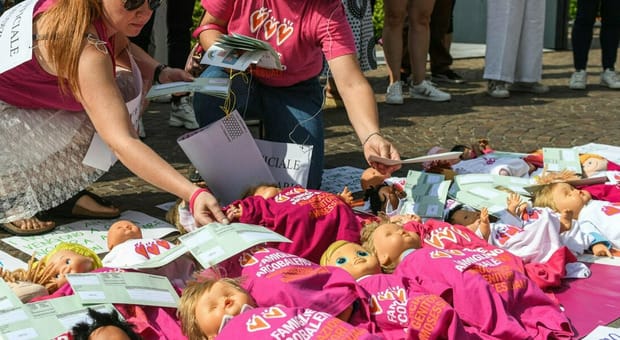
(16, 229)
(70, 208)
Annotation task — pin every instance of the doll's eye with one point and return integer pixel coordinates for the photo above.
(362, 253)
(341, 261)
(68, 261)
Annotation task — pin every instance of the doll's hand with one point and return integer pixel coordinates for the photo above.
(347, 196)
(376, 145)
(601, 249)
(234, 212)
(512, 204)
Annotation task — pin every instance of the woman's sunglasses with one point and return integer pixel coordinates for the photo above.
(131, 5)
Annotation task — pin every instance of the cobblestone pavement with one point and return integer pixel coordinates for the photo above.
(521, 123)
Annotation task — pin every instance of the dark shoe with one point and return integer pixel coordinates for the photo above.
(79, 206)
(448, 76)
(28, 227)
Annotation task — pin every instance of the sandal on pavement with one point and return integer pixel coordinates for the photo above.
(86, 204)
(28, 227)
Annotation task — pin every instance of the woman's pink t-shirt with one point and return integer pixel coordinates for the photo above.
(300, 31)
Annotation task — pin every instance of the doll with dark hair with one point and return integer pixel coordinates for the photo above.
(104, 326)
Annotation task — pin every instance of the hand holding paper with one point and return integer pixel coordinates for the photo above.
(435, 157)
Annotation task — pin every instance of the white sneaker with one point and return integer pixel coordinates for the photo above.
(394, 94)
(162, 99)
(578, 80)
(183, 114)
(536, 87)
(497, 89)
(426, 90)
(610, 79)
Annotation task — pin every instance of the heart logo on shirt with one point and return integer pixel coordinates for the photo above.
(271, 26)
(284, 31)
(139, 248)
(256, 323)
(163, 243)
(274, 312)
(611, 210)
(385, 296)
(257, 19)
(375, 308)
(153, 248)
(437, 254)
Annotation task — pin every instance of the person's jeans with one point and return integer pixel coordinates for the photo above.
(609, 35)
(289, 114)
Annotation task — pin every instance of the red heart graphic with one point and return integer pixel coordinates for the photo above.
(270, 28)
(257, 19)
(610, 210)
(274, 312)
(163, 244)
(284, 31)
(257, 324)
(153, 248)
(141, 249)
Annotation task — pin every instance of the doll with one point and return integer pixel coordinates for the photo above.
(312, 219)
(593, 164)
(456, 264)
(128, 248)
(594, 216)
(103, 326)
(68, 258)
(382, 193)
(396, 304)
(221, 308)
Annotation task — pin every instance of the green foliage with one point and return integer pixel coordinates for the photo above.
(572, 9)
(377, 19)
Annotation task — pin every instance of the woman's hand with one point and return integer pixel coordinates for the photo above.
(170, 74)
(378, 146)
(206, 210)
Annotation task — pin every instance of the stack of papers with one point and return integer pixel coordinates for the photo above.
(217, 87)
(238, 52)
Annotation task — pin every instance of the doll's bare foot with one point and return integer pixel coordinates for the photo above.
(566, 220)
(233, 213)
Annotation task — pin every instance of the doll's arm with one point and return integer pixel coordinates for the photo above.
(600, 249)
(483, 224)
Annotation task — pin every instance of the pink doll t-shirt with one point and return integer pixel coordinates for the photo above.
(507, 304)
(312, 219)
(279, 322)
(301, 32)
(443, 235)
(274, 277)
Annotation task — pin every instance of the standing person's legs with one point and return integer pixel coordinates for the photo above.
(610, 32)
(581, 36)
(528, 66)
(439, 25)
(293, 115)
(179, 21)
(394, 17)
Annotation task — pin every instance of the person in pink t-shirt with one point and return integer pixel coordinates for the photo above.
(289, 101)
(221, 308)
(312, 219)
(65, 97)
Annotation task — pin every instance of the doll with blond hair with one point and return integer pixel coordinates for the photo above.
(396, 304)
(220, 308)
(457, 264)
(595, 217)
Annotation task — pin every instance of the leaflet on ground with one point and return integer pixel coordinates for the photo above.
(426, 194)
(217, 87)
(559, 159)
(427, 158)
(215, 242)
(44, 319)
(90, 233)
(124, 287)
(238, 52)
(484, 197)
(471, 181)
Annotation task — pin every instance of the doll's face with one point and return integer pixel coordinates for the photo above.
(391, 240)
(468, 153)
(122, 231)
(356, 260)
(108, 333)
(464, 217)
(565, 196)
(68, 262)
(593, 164)
(266, 191)
(371, 178)
(222, 299)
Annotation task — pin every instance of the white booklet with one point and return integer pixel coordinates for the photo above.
(238, 52)
(217, 87)
(421, 159)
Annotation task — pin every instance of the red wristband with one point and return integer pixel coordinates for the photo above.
(193, 198)
(203, 28)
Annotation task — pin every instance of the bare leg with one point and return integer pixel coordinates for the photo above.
(419, 37)
(394, 19)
